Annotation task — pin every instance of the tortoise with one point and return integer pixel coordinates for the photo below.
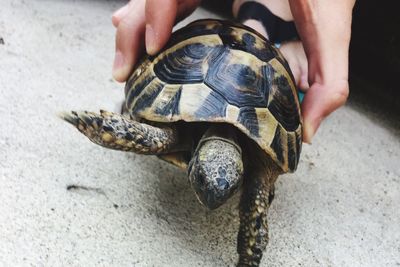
(220, 102)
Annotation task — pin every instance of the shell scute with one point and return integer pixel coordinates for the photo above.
(239, 79)
(170, 107)
(184, 65)
(146, 98)
(281, 104)
(248, 118)
(214, 106)
(239, 39)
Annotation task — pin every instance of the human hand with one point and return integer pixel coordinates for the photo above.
(320, 68)
(144, 24)
(325, 29)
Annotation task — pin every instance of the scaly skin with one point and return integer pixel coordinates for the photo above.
(216, 169)
(117, 132)
(257, 195)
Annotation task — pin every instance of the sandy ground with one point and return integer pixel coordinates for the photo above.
(341, 208)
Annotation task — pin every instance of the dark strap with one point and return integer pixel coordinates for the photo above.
(278, 30)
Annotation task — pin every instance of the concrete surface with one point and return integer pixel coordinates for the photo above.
(341, 208)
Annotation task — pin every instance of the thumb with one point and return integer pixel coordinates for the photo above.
(159, 23)
(319, 101)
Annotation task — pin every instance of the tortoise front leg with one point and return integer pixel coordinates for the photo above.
(118, 132)
(256, 197)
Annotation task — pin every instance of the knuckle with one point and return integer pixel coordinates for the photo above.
(341, 94)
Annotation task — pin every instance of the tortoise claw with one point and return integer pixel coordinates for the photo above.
(71, 117)
(83, 120)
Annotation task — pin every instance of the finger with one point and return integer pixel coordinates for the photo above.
(319, 102)
(296, 57)
(159, 23)
(119, 14)
(300, 75)
(296, 71)
(303, 82)
(129, 41)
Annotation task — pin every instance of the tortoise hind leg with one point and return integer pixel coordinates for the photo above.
(256, 197)
(118, 132)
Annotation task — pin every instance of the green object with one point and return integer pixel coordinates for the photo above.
(301, 96)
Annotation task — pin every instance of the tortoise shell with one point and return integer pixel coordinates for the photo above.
(219, 71)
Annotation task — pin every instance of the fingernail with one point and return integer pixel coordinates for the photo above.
(308, 132)
(304, 82)
(151, 36)
(118, 71)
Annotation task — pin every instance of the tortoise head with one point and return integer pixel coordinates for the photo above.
(216, 170)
